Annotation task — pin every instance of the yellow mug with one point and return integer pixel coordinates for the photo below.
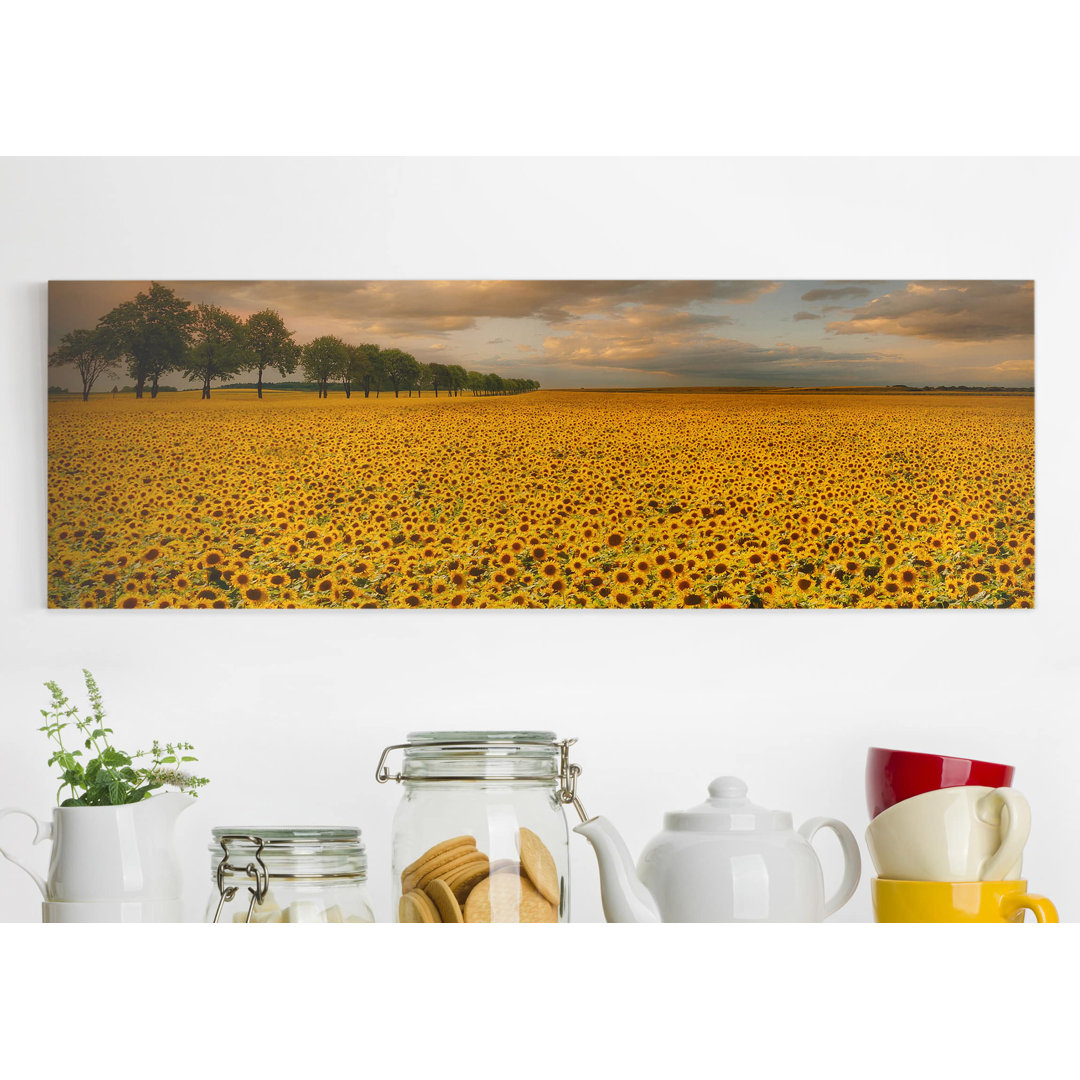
(957, 901)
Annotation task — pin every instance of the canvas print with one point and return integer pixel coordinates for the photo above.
(541, 444)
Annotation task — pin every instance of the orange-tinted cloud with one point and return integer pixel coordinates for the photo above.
(682, 350)
(948, 311)
(842, 292)
(361, 310)
(408, 307)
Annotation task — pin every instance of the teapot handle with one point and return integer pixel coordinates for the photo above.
(852, 859)
(43, 831)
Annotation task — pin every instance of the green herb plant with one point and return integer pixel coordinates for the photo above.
(111, 777)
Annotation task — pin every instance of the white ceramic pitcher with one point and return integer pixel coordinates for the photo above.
(110, 853)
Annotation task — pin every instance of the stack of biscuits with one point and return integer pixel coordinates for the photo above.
(455, 882)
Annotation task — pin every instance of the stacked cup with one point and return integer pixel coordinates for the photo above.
(947, 838)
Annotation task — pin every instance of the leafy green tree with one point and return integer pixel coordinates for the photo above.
(474, 381)
(151, 333)
(89, 353)
(439, 375)
(356, 368)
(419, 378)
(270, 344)
(324, 359)
(400, 368)
(457, 376)
(374, 374)
(218, 347)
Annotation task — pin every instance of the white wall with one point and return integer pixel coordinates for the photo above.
(290, 709)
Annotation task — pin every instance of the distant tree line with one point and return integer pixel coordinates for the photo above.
(158, 332)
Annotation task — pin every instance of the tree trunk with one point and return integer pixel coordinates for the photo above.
(139, 384)
(348, 391)
(260, 382)
(206, 385)
(86, 390)
(153, 387)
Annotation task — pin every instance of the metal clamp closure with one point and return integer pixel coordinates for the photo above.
(255, 869)
(566, 777)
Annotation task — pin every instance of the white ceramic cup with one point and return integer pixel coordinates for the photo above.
(954, 834)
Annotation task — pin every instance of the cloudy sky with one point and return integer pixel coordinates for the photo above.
(642, 333)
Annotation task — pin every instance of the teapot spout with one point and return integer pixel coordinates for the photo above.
(624, 897)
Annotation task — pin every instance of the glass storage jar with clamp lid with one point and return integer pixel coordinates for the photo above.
(480, 834)
(264, 875)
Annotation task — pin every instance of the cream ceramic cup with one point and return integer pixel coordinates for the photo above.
(955, 834)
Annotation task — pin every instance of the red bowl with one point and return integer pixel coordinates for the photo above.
(895, 775)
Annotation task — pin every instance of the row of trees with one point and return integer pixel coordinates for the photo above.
(158, 332)
(329, 360)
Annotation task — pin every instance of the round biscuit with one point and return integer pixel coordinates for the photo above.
(435, 866)
(466, 879)
(538, 864)
(508, 898)
(445, 869)
(443, 898)
(436, 851)
(416, 907)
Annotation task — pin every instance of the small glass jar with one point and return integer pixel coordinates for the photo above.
(480, 834)
(310, 875)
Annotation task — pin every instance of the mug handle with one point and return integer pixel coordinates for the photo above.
(1010, 811)
(852, 859)
(1039, 906)
(43, 831)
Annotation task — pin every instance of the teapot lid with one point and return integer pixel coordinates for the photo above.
(728, 810)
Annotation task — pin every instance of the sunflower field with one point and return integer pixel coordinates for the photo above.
(546, 500)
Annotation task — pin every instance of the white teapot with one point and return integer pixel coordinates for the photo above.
(726, 860)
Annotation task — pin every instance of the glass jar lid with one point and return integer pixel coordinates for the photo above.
(481, 755)
(308, 853)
